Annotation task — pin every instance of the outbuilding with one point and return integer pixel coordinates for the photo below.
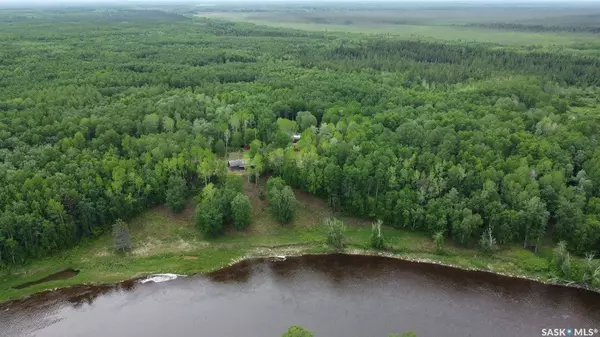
(236, 164)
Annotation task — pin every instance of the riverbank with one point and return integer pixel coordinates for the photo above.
(168, 243)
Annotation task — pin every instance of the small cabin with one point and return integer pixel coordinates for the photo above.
(236, 164)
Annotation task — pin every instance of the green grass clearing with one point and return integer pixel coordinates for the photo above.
(421, 31)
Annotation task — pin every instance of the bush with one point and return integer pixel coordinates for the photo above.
(530, 262)
(487, 241)
(406, 334)
(335, 233)
(591, 274)
(121, 236)
(235, 183)
(297, 331)
(561, 259)
(377, 240)
(438, 239)
(275, 183)
(241, 211)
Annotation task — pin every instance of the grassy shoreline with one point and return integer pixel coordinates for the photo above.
(168, 243)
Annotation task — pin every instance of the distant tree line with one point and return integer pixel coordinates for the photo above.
(538, 28)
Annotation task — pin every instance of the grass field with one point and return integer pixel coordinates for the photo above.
(169, 243)
(417, 31)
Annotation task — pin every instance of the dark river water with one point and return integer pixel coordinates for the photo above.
(333, 295)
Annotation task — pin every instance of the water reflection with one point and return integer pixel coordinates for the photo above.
(238, 273)
(334, 295)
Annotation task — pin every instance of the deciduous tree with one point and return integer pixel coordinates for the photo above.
(242, 211)
(176, 193)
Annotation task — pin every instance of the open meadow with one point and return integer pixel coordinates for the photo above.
(573, 28)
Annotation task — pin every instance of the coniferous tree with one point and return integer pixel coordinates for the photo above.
(122, 236)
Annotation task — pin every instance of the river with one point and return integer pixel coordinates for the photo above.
(332, 295)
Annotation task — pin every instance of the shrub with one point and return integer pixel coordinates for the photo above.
(438, 239)
(561, 259)
(275, 182)
(487, 241)
(530, 262)
(406, 334)
(591, 274)
(297, 331)
(235, 183)
(377, 240)
(335, 233)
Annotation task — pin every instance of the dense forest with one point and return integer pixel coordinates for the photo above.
(102, 118)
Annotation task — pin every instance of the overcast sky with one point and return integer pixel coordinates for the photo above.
(280, 1)
(216, 2)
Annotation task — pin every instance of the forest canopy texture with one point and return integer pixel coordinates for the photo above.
(102, 112)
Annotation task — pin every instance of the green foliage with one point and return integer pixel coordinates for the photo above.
(561, 259)
(288, 127)
(275, 183)
(235, 183)
(255, 166)
(282, 200)
(121, 236)
(297, 331)
(209, 219)
(241, 210)
(305, 120)
(407, 131)
(487, 243)
(220, 148)
(176, 193)
(591, 275)
(406, 334)
(464, 229)
(376, 240)
(438, 239)
(209, 212)
(222, 205)
(335, 233)
(530, 262)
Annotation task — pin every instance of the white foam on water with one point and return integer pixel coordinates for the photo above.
(158, 278)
